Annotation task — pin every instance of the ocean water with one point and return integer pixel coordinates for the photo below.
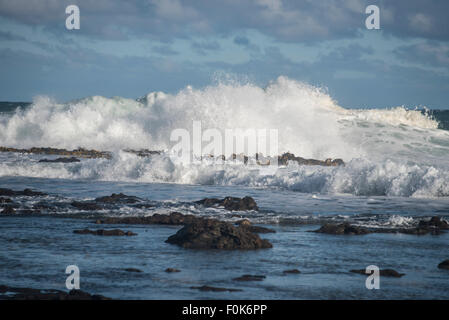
(396, 173)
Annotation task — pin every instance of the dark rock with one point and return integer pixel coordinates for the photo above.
(215, 289)
(290, 157)
(8, 210)
(249, 277)
(174, 218)
(434, 222)
(214, 234)
(26, 192)
(80, 153)
(61, 160)
(292, 271)
(444, 265)
(343, 228)
(101, 232)
(11, 293)
(118, 198)
(132, 270)
(243, 222)
(230, 203)
(87, 206)
(144, 152)
(383, 273)
(5, 200)
(172, 270)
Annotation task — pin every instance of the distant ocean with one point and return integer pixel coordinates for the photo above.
(396, 173)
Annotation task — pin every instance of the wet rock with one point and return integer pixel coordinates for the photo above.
(80, 153)
(292, 271)
(8, 210)
(169, 270)
(290, 157)
(26, 192)
(144, 152)
(230, 203)
(434, 222)
(61, 160)
(444, 265)
(214, 289)
(133, 270)
(174, 218)
(101, 232)
(12, 293)
(342, 228)
(87, 206)
(250, 277)
(214, 234)
(118, 198)
(382, 272)
(243, 222)
(5, 200)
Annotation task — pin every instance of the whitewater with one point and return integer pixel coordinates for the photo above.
(388, 152)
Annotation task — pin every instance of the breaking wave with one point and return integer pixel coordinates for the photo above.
(394, 152)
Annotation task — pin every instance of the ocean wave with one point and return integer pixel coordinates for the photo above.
(310, 123)
(358, 177)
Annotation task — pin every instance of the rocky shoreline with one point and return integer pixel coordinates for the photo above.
(71, 156)
(196, 233)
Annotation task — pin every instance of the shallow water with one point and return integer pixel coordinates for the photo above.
(36, 250)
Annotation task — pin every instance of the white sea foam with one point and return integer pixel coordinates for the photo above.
(395, 152)
(358, 177)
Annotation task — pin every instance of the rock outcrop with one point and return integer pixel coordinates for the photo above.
(444, 265)
(230, 203)
(117, 198)
(214, 234)
(342, 228)
(26, 192)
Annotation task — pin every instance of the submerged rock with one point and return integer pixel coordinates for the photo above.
(250, 277)
(214, 234)
(214, 289)
(170, 270)
(101, 232)
(5, 200)
(342, 228)
(382, 272)
(133, 270)
(26, 192)
(118, 198)
(230, 203)
(12, 293)
(292, 271)
(61, 160)
(87, 206)
(8, 210)
(444, 265)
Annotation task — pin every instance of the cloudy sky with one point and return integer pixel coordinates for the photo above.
(131, 48)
